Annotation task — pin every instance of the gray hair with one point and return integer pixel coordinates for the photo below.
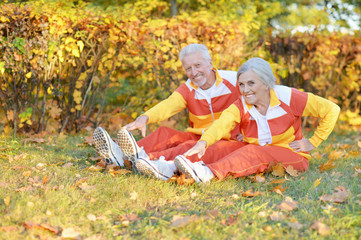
(260, 67)
(192, 48)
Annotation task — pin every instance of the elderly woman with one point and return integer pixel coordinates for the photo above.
(270, 121)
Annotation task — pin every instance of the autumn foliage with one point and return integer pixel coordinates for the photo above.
(64, 67)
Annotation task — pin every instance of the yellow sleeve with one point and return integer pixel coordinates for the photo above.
(222, 126)
(326, 110)
(166, 108)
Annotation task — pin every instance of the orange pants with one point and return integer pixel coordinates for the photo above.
(170, 143)
(251, 159)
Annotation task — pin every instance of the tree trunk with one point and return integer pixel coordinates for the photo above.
(173, 7)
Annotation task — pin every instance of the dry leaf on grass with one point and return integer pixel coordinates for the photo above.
(288, 204)
(44, 226)
(118, 172)
(278, 181)
(232, 219)
(71, 233)
(277, 216)
(180, 221)
(327, 166)
(249, 193)
(335, 155)
(317, 182)
(322, 228)
(259, 178)
(291, 171)
(295, 225)
(340, 196)
(133, 195)
(278, 170)
(7, 200)
(279, 189)
(8, 228)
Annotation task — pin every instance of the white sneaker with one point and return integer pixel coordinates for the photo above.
(160, 169)
(107, 148)
(198, 170)
(129, 147)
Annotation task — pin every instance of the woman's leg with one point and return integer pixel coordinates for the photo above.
(252, 159)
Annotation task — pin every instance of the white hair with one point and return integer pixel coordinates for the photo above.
(260, 67)
(192, 48)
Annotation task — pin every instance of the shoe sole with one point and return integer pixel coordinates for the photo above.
(127, 144)
(146, 168)
(103, 146)
(183, 166)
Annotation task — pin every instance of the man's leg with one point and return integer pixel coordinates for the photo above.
(164, 138)
(252, 159)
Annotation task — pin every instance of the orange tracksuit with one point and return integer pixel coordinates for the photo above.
(283, 125)
(204, 107)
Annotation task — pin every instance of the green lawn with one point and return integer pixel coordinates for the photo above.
(51, 190)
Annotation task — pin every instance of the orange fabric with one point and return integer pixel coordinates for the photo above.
(170, 143)
(252, 159)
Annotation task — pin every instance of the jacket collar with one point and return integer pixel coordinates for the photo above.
(274, 101)
(218, 80)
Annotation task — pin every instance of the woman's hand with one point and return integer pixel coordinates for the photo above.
(303, 145)
(140, 123)
(199, 148)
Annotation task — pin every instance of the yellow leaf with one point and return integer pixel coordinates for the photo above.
(29, 122)
(134, 115)
(335, 155)
(28, 75)
(75, 52)
(80, 45)
(78, 107)
(7, 200)
(69, 40)
(4, 19)
(317, 182)
(72, 110)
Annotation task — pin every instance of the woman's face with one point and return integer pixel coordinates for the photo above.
(254, 91)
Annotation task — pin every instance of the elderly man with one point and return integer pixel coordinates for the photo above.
(205, 94)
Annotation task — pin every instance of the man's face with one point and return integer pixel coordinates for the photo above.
(197, 68)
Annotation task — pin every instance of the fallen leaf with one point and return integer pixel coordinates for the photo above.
(89, 141)
(259, 178)
(340, 196)
(95, 168)
(277, 216)
(335, 155)
(68, 164)
(7, 200)
(45, 180)
(180, 221)
(44, 226)
(291, 171)
(232, 219)
(71, 233)
(91, 217)
(327, 166)
(322, 228)
(279, 189)
(133, 196)
(115, 173)
(85, 187)
(317, 182)
(359, 144)
(357, 170)
(288, 205)
(8, 228)
(278, 181)
(278, 170)
(249, 193)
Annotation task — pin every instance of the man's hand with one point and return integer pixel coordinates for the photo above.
(199, 148)
(139, 123)
(303, 145)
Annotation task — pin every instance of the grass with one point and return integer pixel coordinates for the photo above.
(50, 184)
